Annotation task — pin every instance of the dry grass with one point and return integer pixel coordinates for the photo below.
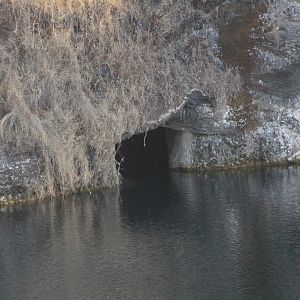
(76, 76)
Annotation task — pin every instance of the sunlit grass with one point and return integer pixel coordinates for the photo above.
(68, 5)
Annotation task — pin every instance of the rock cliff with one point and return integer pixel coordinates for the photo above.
(259, 126)
(262, 126)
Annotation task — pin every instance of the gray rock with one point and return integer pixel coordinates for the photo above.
(17, 174)
(199, 138)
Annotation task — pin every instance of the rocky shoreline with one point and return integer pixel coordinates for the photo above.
(262, 128)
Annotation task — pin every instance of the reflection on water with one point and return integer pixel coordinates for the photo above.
(219, 235)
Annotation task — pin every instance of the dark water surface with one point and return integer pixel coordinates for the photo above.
(220, 235)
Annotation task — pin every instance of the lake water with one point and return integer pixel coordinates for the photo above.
(217, 235)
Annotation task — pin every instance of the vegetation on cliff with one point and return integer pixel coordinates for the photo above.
(76, 76)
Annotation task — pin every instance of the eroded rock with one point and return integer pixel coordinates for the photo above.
(18, 172)
(200, 138)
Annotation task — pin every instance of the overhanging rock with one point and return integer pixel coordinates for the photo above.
(199, 116)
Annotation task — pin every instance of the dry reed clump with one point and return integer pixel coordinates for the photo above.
(76, 76)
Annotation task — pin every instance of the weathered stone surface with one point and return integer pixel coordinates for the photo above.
(17, 173)
(200, 138)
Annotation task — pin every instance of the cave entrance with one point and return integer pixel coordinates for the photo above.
(144, 154)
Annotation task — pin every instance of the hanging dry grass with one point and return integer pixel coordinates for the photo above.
(76, 76)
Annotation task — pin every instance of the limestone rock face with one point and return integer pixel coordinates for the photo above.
(199, 116)
(17, 173)
(264, 125)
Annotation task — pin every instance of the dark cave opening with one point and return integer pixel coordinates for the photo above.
(144, 154)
